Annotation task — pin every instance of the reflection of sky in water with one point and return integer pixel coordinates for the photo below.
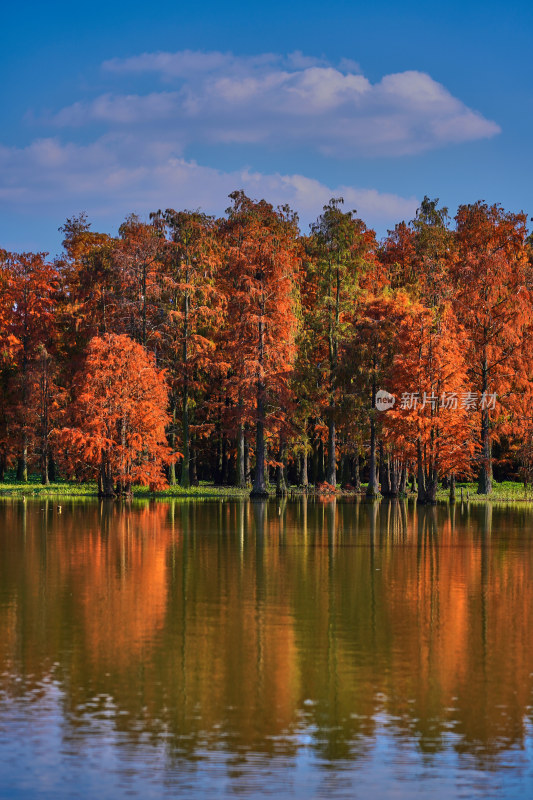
(320, 651)
(44, 755)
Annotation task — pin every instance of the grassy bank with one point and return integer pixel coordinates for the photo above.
(507, 491)
(34, 488)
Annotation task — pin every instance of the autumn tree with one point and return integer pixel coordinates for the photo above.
(118, 418)
(415, 354)
(339, 250)
(492, 298)
(433, 419)
(191, 310)
(137, 257)
(259, 280)
(368, 361)
(32, 296)
(90, 289)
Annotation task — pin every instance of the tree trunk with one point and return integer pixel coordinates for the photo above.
(331, 472)
(45, 479)
(432, 484)
(402, 489)
(281, 483)
(345, 470)
(314, 456)
(225, 462)
(372, 488)
(105, 481)
(384, 476)
(52, 471)
(22, 462)
(421, 498)
(241, 472)
(395, 474)
(452, 487)
(321, 475)
(485, 472)
(356, 474)
(185, 479)
(304, 480)
(259, 488)
(172, 443)
(193, 466)
(247, 470)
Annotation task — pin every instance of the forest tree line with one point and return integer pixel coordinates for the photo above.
(241, 351)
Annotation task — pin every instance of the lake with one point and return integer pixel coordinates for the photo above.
(244, 649)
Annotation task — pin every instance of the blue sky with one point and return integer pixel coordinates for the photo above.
(120, 108)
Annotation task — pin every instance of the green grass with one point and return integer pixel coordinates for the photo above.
(34, 488)
(505, 492)
(205, 489)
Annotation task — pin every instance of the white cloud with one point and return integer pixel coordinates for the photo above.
(131, 152)
(187, 63)
(119, 109)
(116, 175)
(287, 101)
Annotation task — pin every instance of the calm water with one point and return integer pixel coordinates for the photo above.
(240, 649)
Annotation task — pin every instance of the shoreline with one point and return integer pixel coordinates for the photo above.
(506, 492)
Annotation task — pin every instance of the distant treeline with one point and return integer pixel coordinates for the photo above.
(239, 350)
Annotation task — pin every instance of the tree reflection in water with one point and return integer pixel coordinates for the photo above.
(244, 626)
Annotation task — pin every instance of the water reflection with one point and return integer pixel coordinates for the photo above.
(264, 628)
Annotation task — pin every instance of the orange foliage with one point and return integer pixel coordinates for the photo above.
(119, 416)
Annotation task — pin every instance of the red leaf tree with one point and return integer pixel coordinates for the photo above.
(260, 284)
(119, 417)
(492, 298)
